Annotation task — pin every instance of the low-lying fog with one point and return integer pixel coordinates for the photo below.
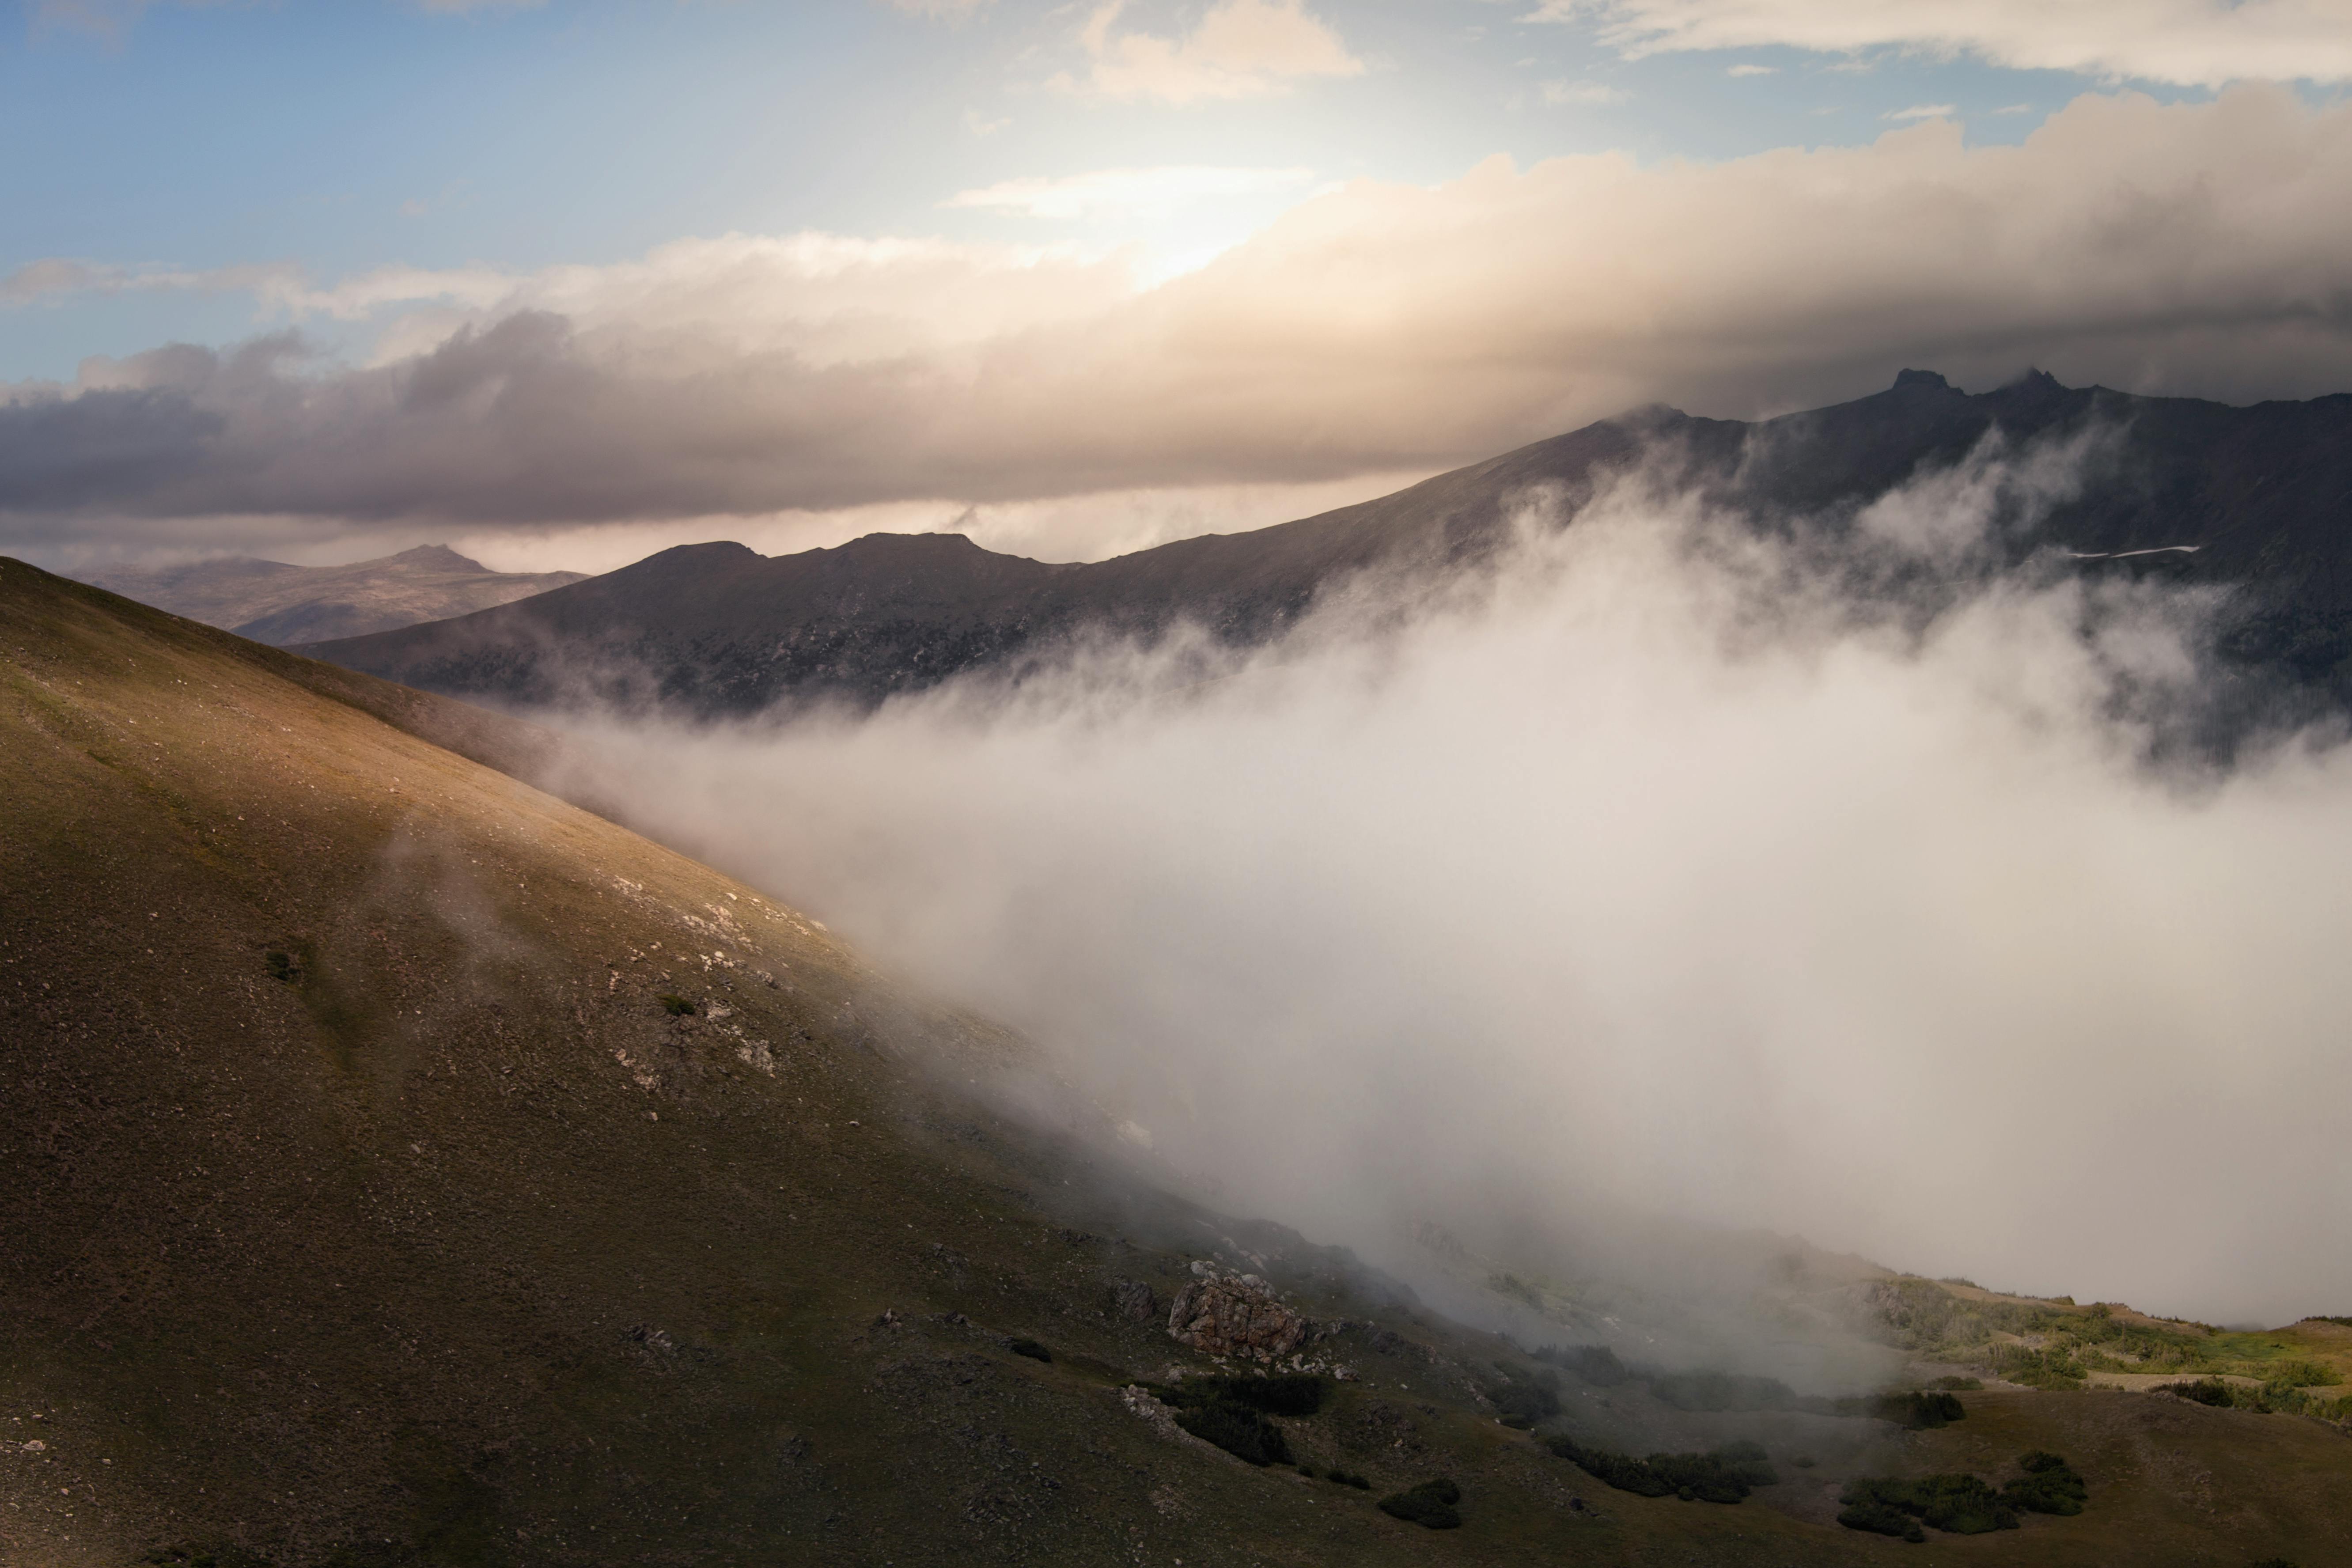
(1642, 873)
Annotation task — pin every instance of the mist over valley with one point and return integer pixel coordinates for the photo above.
(1357, 781)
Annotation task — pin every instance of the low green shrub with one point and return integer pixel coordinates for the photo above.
(1959, 1385)
(1595, 1364)
(1923, 1411)
(1713, 1391)
(1525, 1403)
(282, 967)
(1727, 1475)
(1880, 1519)
(2204, 1391)
(676, 1005)
(2302, 1375)
(1290, 1395)
(2049, 1486)
(1238, 1430)
(2049, 1369)
(1430, 1505)
(1349, 1479)
(1232, 1412)
(1955, 1504)
(1031, 1349)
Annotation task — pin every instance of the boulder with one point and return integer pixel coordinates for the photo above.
(1235, 1314)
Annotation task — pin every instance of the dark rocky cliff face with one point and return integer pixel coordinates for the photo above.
(2262, 494)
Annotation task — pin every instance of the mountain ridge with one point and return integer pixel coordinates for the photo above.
(275, 602)
(2263, 492)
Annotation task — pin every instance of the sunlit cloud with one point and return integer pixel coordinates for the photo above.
(2195, 43)
(1149, 192)
(1240, 48)
(2193, 248)
(1922, 111)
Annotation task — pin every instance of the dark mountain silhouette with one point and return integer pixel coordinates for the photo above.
(272, 602)
(2262, 494)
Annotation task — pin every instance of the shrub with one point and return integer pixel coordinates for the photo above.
(2205, 1391)
(1524, 1404)
(1956, 1504)
(2303, 1374)
(1918, 1412)
(1238, 1430)
(676, 1006)
(2049, 1486)
(1958, 1385)
(1290, 1395)
(1712, 1391)
(1595, 1364)
(1727, 1475)
(282, 967)
(1880, 1519)
(1350, 1479)
(2052, 1369)
(1031, 1349)
(1430, 1505)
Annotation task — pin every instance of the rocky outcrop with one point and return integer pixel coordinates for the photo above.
(1234, 1314)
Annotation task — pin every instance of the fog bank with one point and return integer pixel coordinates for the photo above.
(1647, 872)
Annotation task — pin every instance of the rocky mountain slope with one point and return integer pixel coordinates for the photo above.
(272, 602)
(2255, 499)
(408, 1167)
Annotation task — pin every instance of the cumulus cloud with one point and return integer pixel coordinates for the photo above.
(1239, 48)
(2194, 43)
(1650, 874)
(2193, 248)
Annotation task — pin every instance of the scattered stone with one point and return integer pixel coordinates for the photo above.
(1135, 1301)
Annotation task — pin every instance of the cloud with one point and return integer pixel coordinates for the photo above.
(55, 277)
(2192, 43)
(1750, 68)
(1922, 111)
(1240, 48)
(111, 20)
(1583, 92)
(1649, 875)
(1155, 191)
(2195, 248)
(940, 10)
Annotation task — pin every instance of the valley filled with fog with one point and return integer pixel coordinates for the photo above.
(1651, 870)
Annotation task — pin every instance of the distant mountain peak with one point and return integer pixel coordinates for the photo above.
(439, 556)
(1927, 378)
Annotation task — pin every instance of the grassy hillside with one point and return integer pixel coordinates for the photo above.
(408, 1167)
(2304, 1368)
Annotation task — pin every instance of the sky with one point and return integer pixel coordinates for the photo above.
(565, 282)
